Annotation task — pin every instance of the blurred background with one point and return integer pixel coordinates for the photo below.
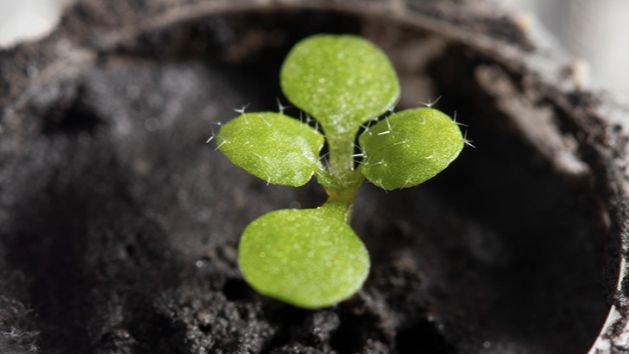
(595, 31)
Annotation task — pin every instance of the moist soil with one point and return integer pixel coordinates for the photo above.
(119, 223)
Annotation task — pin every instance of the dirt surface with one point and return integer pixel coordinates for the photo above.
(119, 224)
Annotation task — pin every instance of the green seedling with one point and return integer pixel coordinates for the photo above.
(312, 258)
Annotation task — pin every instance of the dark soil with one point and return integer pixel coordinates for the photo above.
(119, 224)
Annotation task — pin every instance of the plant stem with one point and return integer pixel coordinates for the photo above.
(342, 192)
(340, 202)
(341, 165)
(341, 150)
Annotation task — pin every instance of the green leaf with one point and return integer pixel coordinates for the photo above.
(409, 148)
(308, 258)
(272, 146)
(341, 80)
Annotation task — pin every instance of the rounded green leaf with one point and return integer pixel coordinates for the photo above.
(272, 146)
(342, 80)
(308, 258)
(409, 148)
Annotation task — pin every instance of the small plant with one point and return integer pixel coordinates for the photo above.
(312, 258)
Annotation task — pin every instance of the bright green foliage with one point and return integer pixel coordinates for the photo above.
(342, 81)
(307, 258)
(409, 148)
(273, 147)
(312, 258)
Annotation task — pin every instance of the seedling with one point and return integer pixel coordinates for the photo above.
(312, 258)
